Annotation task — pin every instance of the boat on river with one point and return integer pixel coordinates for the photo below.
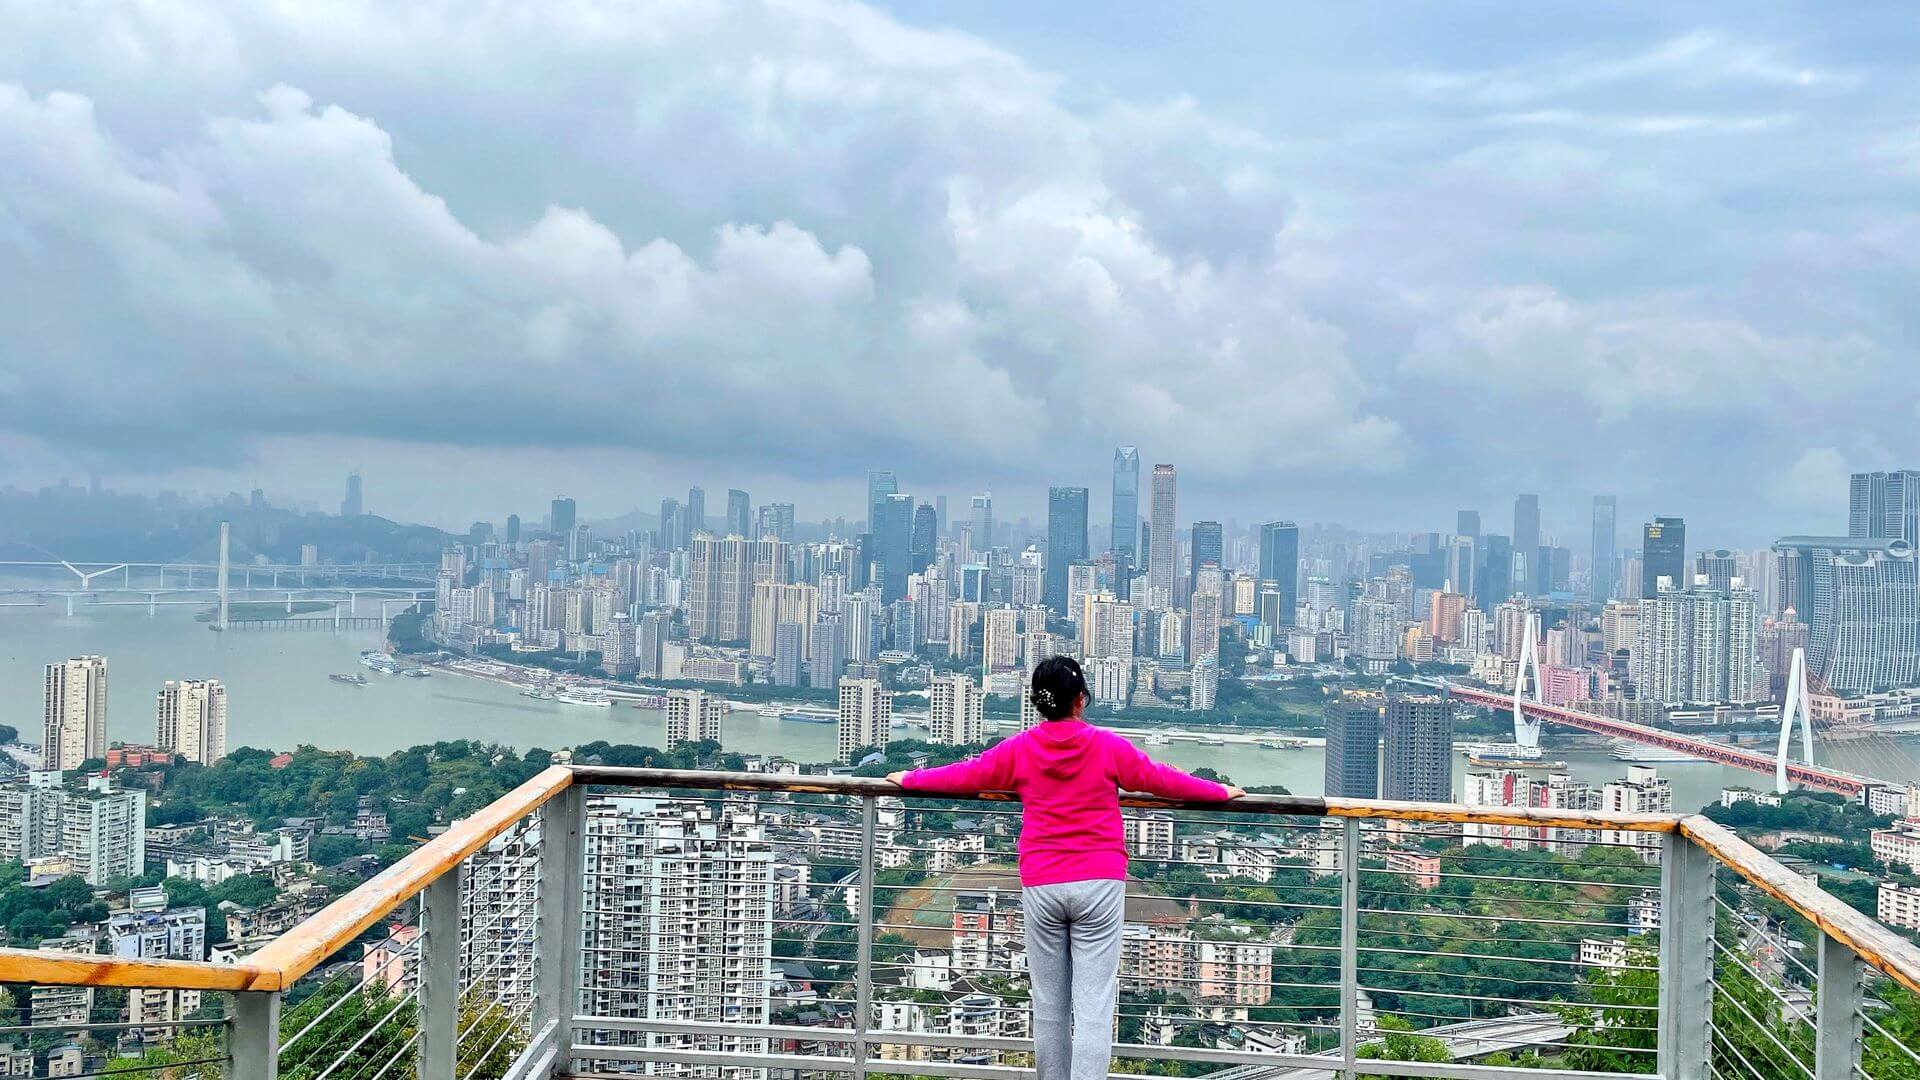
(351, 678)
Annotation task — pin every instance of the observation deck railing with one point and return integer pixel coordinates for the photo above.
(602, 921)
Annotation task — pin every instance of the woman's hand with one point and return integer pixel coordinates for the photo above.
(1235, 792)
(896, 778)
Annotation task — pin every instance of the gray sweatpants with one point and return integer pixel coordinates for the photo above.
(1073, 957)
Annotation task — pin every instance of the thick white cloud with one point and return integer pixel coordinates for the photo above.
(844, 236)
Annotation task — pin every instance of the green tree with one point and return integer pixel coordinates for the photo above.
(1616, 1032)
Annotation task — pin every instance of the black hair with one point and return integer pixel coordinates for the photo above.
(1058, 687)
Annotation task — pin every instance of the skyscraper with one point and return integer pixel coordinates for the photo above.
(1719, 567)
(1126, 515)
(1860, 599)
(982, 524)
(1066, 541)
(561, 521)
(1160, 530)
(1663, 553)
(190, 719)
(926, 537)
(719, 588)
(1495, 583)
(893, 544)
(1280, 563)
(75, 712)
(775, 519)
(940, 513)
(1207, 549)
(1885, 505)
(1526, 541)
(513, 529)
(1353, 747)
(671, 537)
(880, 484)
(696, 510)
(351, 506)
(1600, 581)
(739, 514)
(1418, 733)
(1466, 523)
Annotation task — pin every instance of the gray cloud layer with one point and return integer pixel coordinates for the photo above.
(810, 234)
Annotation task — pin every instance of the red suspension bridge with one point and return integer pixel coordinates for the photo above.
(1810, 775)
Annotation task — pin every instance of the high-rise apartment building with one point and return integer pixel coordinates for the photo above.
(1000, 640)
(957, 714)
(98, 828)
(1600, 579)
(775, 520)
(1353, 747)
(1884, 505)
(560, 520)
(190, 719)
(866, 716)
(1860, 600)
(739, 514)
(719, 588)
(679, 918)
(1280, 564)
(1496, 579)
(789, 642)
(1663, 553)
(827, 649)
(1126, 516)
(1418, 735)
(75, 712)
(1160, 551)
(1066, 541)
(926, 537)
(1697, 646)
(1718, 567)
(775, 605)
(693, 716)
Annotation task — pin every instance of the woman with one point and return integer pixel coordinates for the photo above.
(1073, 859)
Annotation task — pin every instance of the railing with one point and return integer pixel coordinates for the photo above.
(601, 921)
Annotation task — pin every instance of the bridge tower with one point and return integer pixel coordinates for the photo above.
(1526, 730)
(222, 623)
(1796, 705)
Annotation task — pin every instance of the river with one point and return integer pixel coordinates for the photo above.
(279, 697)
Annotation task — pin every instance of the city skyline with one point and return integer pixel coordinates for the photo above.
(1244, 330)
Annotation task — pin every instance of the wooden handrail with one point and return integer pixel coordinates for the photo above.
(1278, 805)
(287, 958)
(80, 969)
(301, 949)
(1878, 947)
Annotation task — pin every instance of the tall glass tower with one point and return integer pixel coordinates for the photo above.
(1126, 517)
(1066, 541)
(1600, 583)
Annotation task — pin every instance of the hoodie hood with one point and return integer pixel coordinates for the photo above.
(1061, 746)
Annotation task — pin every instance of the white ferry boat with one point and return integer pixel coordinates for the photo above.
(1501, 750)
(1155, 739)
(584, 695)
(771, 711)
(1641, 754)
(379, 661)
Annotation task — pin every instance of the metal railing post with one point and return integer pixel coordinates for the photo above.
(863, 959)
(1837, 1014)
(254, 1040)
(1349, 946)
(557, 930)
(440, 975)
(1686, 959)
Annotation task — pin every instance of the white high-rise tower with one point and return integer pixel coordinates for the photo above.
(75, 712)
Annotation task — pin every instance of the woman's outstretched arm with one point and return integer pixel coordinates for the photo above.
(991, 771)
(1138, 772)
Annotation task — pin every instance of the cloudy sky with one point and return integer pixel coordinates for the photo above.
(1359, 262)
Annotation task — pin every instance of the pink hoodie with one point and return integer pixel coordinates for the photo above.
(1069, 775)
